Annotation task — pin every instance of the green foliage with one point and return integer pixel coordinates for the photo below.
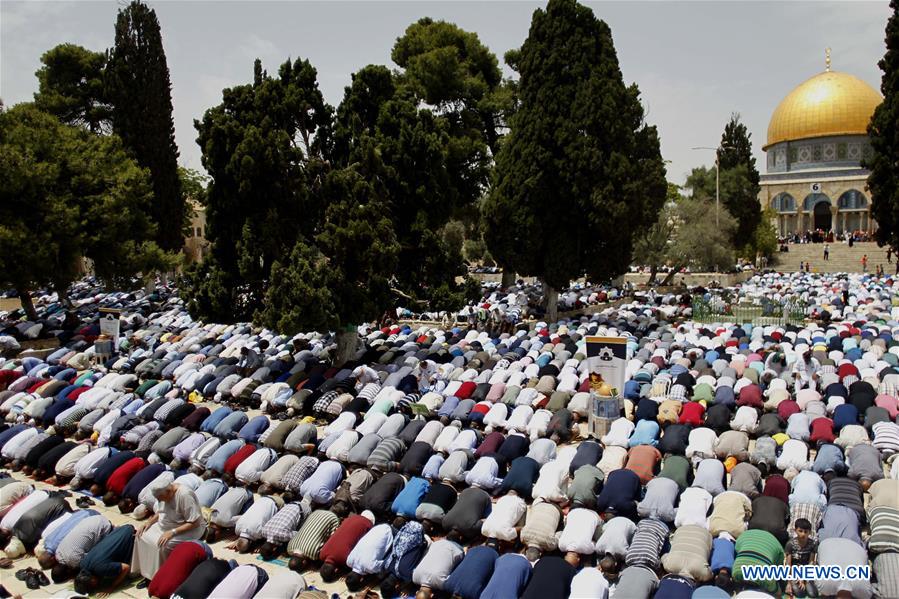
(193, 188)
(475, 250)
(193, 184)
(883, 182)
(735, 182)
(651, 248)
(765, 242)
(741, 194)
(698, 243)
(454, 235)
(138, 87)
(71, 87)
(410, 151)
(341, 278)
(450, 69)
(66, 195)
(580, 173)
(265, 149)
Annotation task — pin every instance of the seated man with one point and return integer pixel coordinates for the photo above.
(689, 555)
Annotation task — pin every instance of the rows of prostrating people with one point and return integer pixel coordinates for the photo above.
(493, 413)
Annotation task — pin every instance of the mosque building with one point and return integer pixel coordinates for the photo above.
(817, 138)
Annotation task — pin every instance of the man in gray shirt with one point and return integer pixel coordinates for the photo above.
(76, 544)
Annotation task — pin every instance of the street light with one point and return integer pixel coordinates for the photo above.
(718, 151)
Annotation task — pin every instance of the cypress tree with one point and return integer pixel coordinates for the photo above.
(883, 131)
(580, 173)
(141, 95)
(742, 199)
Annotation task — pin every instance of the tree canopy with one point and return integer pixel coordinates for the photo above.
(139, 90)
(265, 148)
(66, 195)
(580, 172)
(71, 87)
(883, 131)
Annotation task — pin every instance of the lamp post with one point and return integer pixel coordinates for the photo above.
(718, 151)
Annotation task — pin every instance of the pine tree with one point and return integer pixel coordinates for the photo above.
(140, 92)
(883, 131)
(580, 174)
(737, 164)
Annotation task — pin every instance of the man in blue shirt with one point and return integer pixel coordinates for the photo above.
(107, 563)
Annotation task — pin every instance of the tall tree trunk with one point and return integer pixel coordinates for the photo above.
(551, 301)
(508, 278)
(347, 342)
(27, 304)
(667, 280)
(653, 271)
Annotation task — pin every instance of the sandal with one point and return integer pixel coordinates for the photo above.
(23, 574)
(42, 578)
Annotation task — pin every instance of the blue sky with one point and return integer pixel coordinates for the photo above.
(695, 62)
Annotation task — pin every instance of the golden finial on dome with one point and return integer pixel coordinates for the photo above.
(827, 59)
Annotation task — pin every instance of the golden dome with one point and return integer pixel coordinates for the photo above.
(830, 103)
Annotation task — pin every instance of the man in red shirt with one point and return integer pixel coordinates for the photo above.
(692, 413)
(234, 461)
(643, 460)
(175, 570)
(116, 482)
(335, 551)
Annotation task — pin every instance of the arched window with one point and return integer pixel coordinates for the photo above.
(853, 200)
(784, 202)
(814, 198)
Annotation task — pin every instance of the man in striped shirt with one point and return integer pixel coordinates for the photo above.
(646, 547)
(306, 544)
(386, 456)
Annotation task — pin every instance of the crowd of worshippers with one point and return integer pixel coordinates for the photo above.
(448, 462)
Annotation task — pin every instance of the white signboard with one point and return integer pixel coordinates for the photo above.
(110, 324)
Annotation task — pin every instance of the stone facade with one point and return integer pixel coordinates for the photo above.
(195, 244)
(818, 183)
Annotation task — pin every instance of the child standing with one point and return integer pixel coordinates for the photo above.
(800, 551)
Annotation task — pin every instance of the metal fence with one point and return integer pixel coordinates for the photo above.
(758, 312)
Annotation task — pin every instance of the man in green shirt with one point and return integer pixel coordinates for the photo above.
(758, 548)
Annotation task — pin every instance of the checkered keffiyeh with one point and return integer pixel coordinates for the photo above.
(281, 528)
(299, 472)
(324, 401)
